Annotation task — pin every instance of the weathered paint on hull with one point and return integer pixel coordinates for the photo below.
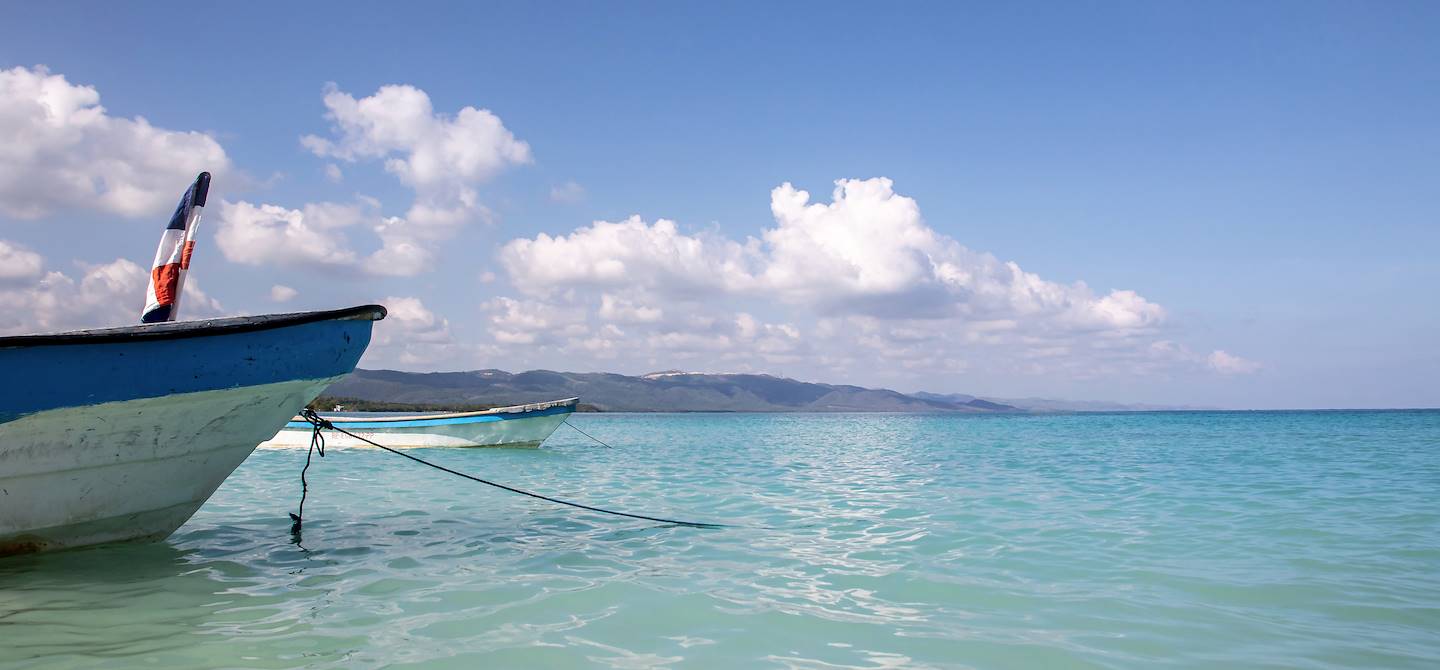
(133, 469)
(528, 431)
(122, 433)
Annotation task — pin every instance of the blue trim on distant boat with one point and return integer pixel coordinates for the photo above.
(44, 377)
(447, 421)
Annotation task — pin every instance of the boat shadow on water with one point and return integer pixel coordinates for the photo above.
(116, 601)
(116, 563)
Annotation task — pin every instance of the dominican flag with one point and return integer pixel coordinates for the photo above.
(172, 259)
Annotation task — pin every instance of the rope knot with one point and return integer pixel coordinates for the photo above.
(315, 419)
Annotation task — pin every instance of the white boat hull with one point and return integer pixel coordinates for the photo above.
(524, 432)
(132, 469)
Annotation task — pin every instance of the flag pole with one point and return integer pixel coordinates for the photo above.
(197, 205)
(172, 257)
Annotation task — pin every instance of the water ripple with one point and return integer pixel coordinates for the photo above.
(862, 541)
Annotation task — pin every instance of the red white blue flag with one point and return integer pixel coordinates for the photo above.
(172, 259)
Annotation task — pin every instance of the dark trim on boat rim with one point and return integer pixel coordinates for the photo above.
(176, 330)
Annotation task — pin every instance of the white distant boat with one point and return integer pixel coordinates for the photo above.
(514, 426)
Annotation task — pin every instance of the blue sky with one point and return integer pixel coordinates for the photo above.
(1263, 178)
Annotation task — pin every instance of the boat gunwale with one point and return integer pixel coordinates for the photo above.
(512, 409)
(176, 330)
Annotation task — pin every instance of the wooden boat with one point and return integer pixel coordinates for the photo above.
(514, 426)
(122, 433)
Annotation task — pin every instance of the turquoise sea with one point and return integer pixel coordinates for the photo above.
(1185, 540)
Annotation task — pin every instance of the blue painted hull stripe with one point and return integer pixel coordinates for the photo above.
(430, 423)
(40, 378)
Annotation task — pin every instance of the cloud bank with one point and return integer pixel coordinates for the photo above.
(60, 150)
(866, 252)
(441, 157)
(858, 282)
(110, 294)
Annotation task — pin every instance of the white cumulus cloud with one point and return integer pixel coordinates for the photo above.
(858, 286)
(529, 321)
(621, 310)
(111, 294)
(18, 263)
(61, 150)
(260, 234)
(868, 251)
(567, 192)
(195, 303)
(629, 253)
(316, 236)
(411, 334)
(441, 156)
(282, 293)
(1230, 364)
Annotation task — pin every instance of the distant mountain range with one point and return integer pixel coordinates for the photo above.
(670, 391)
(1053, 405)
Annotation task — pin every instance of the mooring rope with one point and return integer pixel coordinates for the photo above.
(317, 443)
(597, 440)
(320, 422)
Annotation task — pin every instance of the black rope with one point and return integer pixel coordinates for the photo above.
(597, 441)
(317, 443)
(320, 422)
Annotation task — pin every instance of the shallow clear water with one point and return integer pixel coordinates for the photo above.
(1131, 541)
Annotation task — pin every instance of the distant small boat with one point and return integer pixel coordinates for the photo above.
(122, 433)
(514, 426)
